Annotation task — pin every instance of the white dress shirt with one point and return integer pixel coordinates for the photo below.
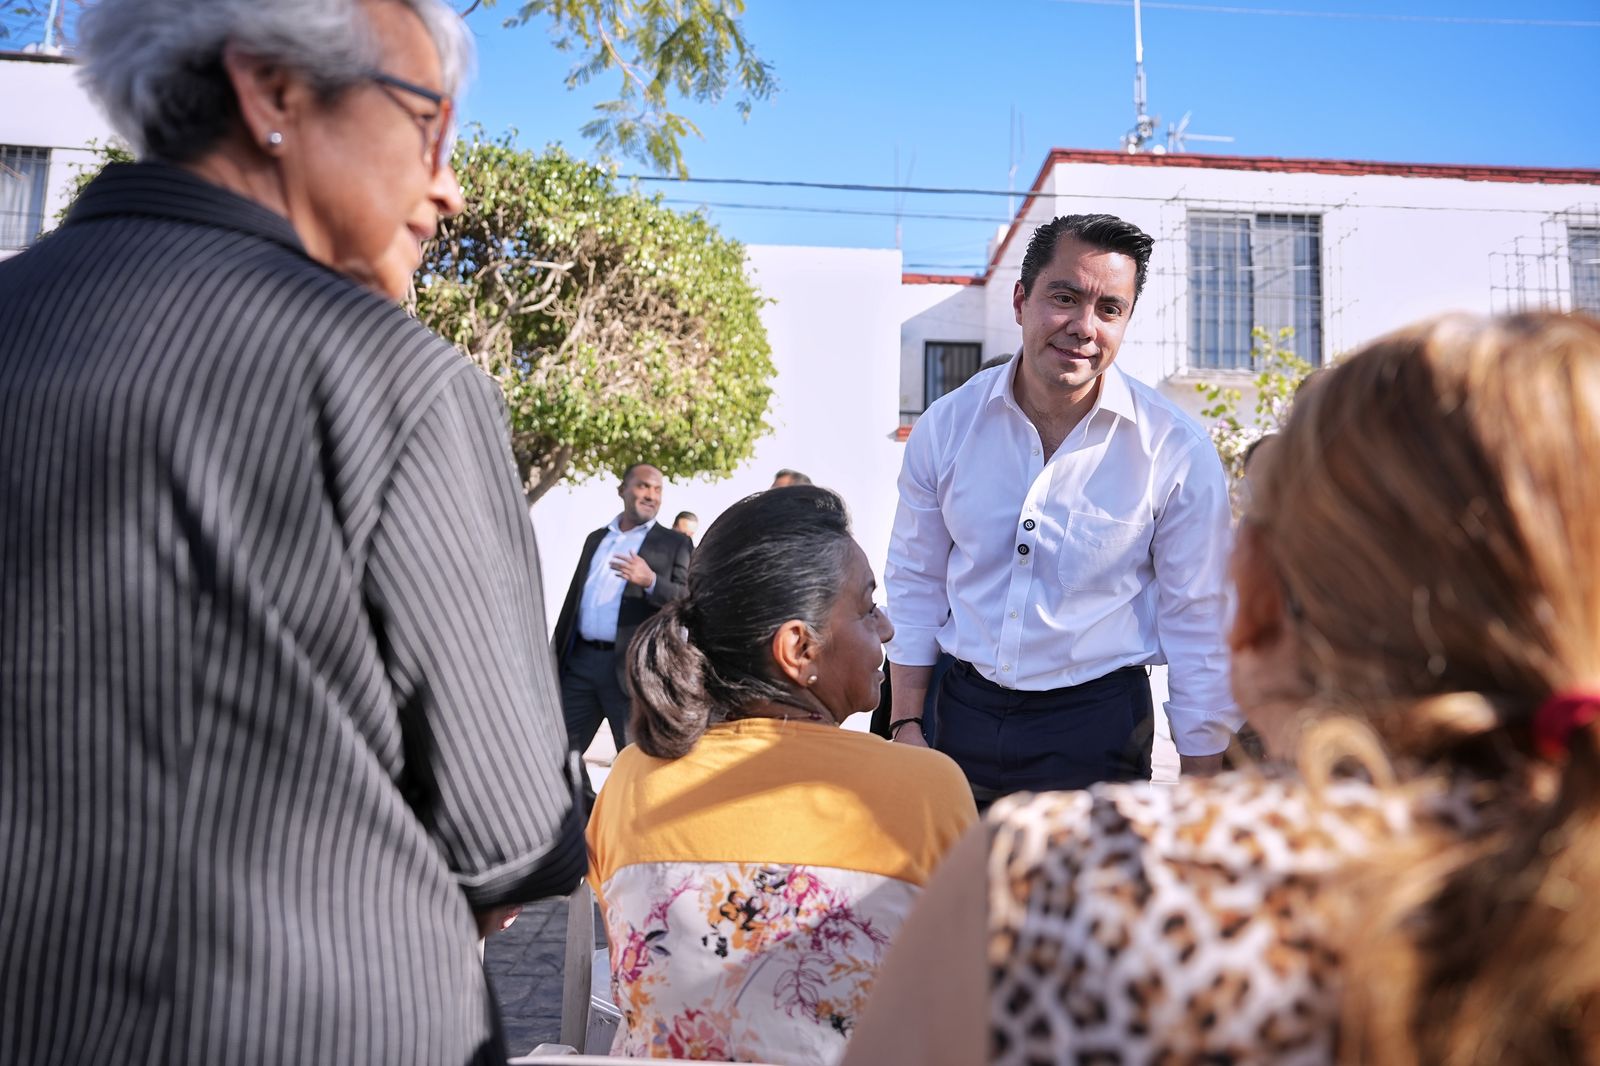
(603, 587)
(1049, 571)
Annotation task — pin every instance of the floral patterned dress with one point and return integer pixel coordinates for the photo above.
(761, 879)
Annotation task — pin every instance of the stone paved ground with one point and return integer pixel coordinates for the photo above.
(524, 965)
(525, 961)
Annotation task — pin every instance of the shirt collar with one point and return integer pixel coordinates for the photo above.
(1004, 389)
(1115, 395)
(616, 527)
(160, 190)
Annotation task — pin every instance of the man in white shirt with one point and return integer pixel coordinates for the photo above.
(628, 570)
(1061, 528)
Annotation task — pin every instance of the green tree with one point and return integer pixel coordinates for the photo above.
(1279, 373)
(661, 49)
(694, 49)
(113, 151)
(619, 330)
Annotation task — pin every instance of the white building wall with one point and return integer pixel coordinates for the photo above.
(834, 329)
(43, 106)
(936, 312)
(1394, 248)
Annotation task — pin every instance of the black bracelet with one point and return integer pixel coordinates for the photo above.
(896, 725)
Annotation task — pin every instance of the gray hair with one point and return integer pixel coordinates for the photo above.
(155, 66)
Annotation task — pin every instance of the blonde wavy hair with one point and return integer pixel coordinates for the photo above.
(1433, 515)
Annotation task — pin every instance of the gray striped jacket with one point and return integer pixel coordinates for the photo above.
(276, 705)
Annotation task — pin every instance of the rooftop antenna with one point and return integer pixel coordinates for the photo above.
(900, 196)
(1142, 138)
(51, 46)
(1018, 149)
(1178, 137)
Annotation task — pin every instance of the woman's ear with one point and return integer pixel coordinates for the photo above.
(794, 650)
(267, 95)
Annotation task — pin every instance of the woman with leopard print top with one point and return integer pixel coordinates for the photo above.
(1418, 635)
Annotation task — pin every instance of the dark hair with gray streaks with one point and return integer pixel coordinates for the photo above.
(771, 558)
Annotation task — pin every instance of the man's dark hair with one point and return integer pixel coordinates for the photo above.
(690, 515)
(772, 557)
(795, 477)
(626, 474)
(1105, 232)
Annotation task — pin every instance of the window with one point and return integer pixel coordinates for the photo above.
(945, 365)
(1583, 251)
(22, 184)
(1253, 270)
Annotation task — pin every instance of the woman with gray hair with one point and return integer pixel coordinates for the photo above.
(276, 715)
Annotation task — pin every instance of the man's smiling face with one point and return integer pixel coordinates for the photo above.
(1073, 319)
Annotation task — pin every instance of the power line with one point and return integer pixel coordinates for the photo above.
(1037, 195)
(1363, 16)
(837, 186)
(995, 219)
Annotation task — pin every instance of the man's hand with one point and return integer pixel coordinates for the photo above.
(1199, 765)
(495, 920)
(633, 569)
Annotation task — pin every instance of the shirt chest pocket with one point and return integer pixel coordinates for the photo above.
(1100, 554)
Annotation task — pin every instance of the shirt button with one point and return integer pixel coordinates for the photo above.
(1006, 668)
(1028, 523)
(1036, 451)
(1013, 614)
(1022, 549)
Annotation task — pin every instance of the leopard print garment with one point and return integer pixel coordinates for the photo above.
(1170, 924)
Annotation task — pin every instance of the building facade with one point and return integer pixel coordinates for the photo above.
(49, 132)
(1339, 252)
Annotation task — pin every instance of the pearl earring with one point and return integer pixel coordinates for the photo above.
(274, 139)
(812, 680)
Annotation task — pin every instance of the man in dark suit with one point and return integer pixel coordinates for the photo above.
(628, 571)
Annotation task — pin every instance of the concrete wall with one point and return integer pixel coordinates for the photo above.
(43, 106)
(935, 313)
(834, 329)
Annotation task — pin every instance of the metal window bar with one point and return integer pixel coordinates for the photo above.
(1583, 250)
(1555, 265)
(23, 176)
(1247, 270)
(946, 365)
(1288, 280)
(1221, 303)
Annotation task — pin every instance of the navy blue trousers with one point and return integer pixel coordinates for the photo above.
(590, 694)
(1010, 741)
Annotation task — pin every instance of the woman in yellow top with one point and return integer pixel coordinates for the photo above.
(752, 859)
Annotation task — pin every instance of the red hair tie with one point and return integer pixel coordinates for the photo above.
(1559, 717)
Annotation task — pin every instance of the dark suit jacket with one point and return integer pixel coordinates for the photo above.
(667, 553)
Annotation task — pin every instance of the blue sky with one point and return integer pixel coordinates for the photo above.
(937, 80)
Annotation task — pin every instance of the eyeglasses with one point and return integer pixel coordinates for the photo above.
(438, 134)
